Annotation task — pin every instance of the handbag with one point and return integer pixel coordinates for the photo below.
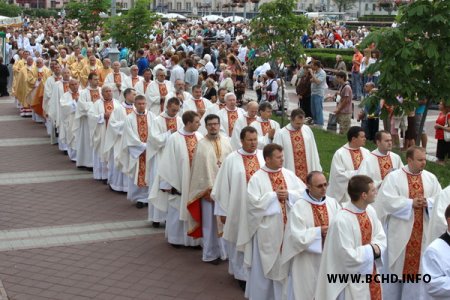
(332, 122)
(446, 133)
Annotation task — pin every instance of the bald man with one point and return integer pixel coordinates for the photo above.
(117, 80)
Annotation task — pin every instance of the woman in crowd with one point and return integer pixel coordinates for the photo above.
(442, 125)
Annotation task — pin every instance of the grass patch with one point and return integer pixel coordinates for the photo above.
(328, 142)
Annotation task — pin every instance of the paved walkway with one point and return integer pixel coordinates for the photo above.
(66, 236)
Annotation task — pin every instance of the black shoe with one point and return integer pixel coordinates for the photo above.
(145, 204)
(175, 246)
(139, 205)
(155, 224)
(90, 169)
(214, 262)
(242, 284)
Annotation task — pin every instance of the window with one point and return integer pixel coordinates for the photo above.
(188, 6)
(179, 5)
(125, 5)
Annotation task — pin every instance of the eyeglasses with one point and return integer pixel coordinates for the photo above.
(323, 185)
(212, 124)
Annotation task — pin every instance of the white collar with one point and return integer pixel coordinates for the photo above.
(378, 153)
(184, 132)
(243, 152)
(270, 170)
(307, 197)
(259, 119)
(352, 207)
(407, 170)
(347, 146)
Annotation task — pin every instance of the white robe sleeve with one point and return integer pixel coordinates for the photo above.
(439, 286)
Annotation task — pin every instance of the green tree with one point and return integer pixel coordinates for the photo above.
(415, 62)
(134, 28)
(278, 31)
(9, 10)
(88, 12)
(344, 5)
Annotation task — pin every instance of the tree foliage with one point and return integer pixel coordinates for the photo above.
(9, 10)
(344, 5)
(278, 31)
(415, 62)
(88, 12)
(134, 28)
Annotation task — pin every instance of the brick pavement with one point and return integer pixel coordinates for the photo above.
(133, 263)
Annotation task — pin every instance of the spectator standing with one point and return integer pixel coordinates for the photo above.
(356, 75)
(344, 107)
(141, 62)
(4, 74)
(442, 124)
(318, 87)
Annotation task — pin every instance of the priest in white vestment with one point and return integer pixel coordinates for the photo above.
(69, 102)
(80, 127)
(180, 93)
(436, 263)
(300, 149)
(117, 80)
(228, 115)
(98, 116)
(354, 245)
(272, 191)
(117, 180)
(346, 162)
(264, 125)
(133, 154)
(382, 160)
(305, 236)
(437, 220)
(49, 88)
(210, 153)
(158, 91)
(133, 80)
(161, 128)
(405, 200)
(197, 103)
(248, 118)
(142, 86)
(230, 194)
(60, 87)
(173, 183)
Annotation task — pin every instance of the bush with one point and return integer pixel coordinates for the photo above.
(9, 10)
(40, 12)
(314, 51)
(328, 60)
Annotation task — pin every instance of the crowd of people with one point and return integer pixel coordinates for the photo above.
(222, 176)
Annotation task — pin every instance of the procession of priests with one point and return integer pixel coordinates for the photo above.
(228, 181)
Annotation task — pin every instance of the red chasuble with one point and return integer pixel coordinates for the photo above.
(251, 165)
(162, 93)
(142, 128)
(200, 105)
(414, 246)
(95, 95)
(385, 164)
(265, 127)
(171, 123)
(320, 215)
(277, 181)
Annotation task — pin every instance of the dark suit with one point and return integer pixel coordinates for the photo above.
(4, 74)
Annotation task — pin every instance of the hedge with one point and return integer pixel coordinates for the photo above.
(385, 18)
(334, 51)
(328, 60)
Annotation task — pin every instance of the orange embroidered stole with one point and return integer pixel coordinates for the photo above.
(414, 246)
(277, 181)
(117, 78)
(162, 93)
(171, 123)
(251, 165)
(299, 152)
(134, 81)
(385, 164)
(232, 117)
(128, 110)
(95, 95)
(109, 107)
(194, 207)
(145, 84)
(357, 157)
(66, 86)
(265, 127)
(366, 237)
(75, 96)
(250, 120)
(320, 215)
(200, 107)
(142, 128)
